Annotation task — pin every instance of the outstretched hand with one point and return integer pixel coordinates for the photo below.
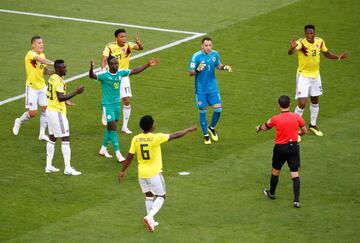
(137, 39)
(293, 43)
(80, 89)
(92, 64)
(69, 103)
(121, 176)
(192, 128)
(258, 128)
(344, 55)
(154, 61)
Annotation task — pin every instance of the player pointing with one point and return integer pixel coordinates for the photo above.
(122, 50)
(308, 80)
(202, 65)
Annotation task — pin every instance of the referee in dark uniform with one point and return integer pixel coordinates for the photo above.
(286, 146)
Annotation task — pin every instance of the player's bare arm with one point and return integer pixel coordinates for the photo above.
(43, 60)
(152, 62)
(182, 133)
(331, 55)
(293, 46)
(48, 71)
(139, 45)
(65, 97)
(92, 75)
(125, 164)
(103, 62)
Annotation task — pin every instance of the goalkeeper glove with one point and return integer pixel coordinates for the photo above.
(227, 67)
(200, 67)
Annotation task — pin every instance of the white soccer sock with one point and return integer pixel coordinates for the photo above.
(50, 150)
(156, 206)
(149, 202)
(299, 111)
(66, 151)
(126, 115)
(24, 117)
(314, 111)
(43, 122)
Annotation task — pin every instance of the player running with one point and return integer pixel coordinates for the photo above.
(122, 50)
(147, 146)
(308, 80)
(35, 66)
(110, 83)
(56, 116)
(286, 146)
(202, 65)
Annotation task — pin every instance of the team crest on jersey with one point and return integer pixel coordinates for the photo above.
(199, 102)
(317, 46)
(108, 116)
(123, 49)
(214, 59)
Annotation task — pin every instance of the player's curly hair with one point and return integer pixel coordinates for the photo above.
(146, 123)
(118, 31)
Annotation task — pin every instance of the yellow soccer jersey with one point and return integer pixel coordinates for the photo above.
(56, 84)
(309, 56)
(123, 53)
(34, 70)
(148, 150)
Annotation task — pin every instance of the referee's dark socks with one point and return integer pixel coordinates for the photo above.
(296, 187)
(273, 183)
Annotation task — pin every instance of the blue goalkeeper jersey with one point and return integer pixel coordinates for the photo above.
(205, 81)
(110, 85)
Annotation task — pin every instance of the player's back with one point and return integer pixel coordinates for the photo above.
(147, 146)
(287, 125)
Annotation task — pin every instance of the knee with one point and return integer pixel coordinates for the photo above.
(275, 172)
(32, 113)
(43, 108)
(294, 174)
(52, 138)
(149, 194)
(218, 109)
(126, 101)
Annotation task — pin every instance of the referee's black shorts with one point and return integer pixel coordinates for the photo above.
(286, 152)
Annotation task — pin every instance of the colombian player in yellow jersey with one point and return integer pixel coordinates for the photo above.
(308, 80)
(56, 116)
(147, 146)
(122, 50)
(35, 65)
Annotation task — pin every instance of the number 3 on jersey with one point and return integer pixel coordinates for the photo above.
(145, 153)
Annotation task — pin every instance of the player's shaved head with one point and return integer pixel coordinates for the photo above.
(118, 31)
(60, 67)
(146, 123)
(34, 38)
(284, 101)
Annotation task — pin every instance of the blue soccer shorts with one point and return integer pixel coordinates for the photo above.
(210, 99)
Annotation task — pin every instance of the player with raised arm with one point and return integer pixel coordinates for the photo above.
(286, 146)
(147, 146)
(58, 122)
(308, 80)
(35, 66)
(202, 65)
(122, 50)
(110, 83)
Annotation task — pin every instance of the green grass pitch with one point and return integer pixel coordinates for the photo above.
(221, 200)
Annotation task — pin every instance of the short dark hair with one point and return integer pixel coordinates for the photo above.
(110, 58)
(206, 39)
(36, 37)
(58, 62)
(309, 26)
(284, 101)
(146, 123)
(118, 31)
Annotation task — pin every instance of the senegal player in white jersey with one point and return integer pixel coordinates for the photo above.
(308, 81)
(58, 122)
(122, 50)
(147, 146)
(35, 66)
(110, 82)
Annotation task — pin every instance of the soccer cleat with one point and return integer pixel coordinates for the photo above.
(72, 171)
(213, 134)
(120, 158)
(105, 153)
(43, 137)
(126, 131)
(207, 140)
(316, 130)
(149, 222)
(296, 205)
(156, 223)
(16, 127)
(267, 193)
(51, 169)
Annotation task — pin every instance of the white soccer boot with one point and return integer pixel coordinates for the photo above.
(16, 127)
(72, 171)
(51, 169)
(103, 152)
(119, 157)
(126, 130)
(149, 222)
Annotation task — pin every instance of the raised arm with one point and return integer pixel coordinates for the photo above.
(152, 62)
(103, 62)
(182, 133)
(125, 164)
(43, 60)
(261, 127)
(92, 75)
(293, 46)
(331, 55)
(65, 97)
(48, 71)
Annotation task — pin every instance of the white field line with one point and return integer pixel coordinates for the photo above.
(97, 22)
(194, 36)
